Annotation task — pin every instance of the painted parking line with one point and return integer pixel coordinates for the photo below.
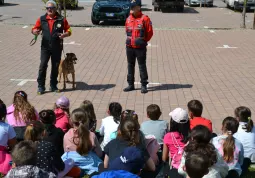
(226, 47)
(23, 81)
(206, 27)
(25, 26)
(72, 43)
(87, 29)
(150, 45)
(212, 31)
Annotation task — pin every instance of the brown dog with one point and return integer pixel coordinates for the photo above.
(66, 67)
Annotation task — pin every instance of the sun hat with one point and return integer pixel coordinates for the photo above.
(179, 115)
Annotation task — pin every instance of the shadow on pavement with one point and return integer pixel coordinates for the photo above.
(146, 9)
(188, 10)
(85, 86)
(9, 4)
(112, 23)
(169, 87)
(1, 20)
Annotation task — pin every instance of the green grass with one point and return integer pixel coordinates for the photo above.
(251, 173)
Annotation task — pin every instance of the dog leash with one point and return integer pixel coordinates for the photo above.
(33, 41)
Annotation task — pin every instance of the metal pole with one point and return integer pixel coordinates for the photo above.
(200, 3)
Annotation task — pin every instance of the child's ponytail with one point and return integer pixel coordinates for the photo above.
(230, 126)
(81, 121)
(243, 114)
(229, 148)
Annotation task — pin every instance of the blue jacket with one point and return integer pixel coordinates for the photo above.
(116, 174)
(88, 163)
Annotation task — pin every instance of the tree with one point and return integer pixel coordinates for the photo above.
(62, 5)
(243, 25)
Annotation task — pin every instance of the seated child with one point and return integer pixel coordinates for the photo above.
(88, 108)
(83, 156)
(7, 140)
(230, 148)
(75, 136)
(110, 124)
(154, 126)
(195, 109)
(128, 164)
(177, 137)
(61, 110)
(246, 133)
(196, 165)
(24, 157)
(200, 138)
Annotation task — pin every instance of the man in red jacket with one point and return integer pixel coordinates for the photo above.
(139, 32)
(54, 29)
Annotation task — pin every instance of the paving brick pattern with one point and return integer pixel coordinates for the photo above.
(186, 63)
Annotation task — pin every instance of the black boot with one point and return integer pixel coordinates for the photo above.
(144, 89)
(129, 88)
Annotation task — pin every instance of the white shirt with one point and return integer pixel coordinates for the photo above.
(107, 127)
(248, 141)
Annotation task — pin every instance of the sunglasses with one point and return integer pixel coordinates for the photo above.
(50, 8)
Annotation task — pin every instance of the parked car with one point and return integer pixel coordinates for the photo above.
(238, 4)
(160, 4)
(110, 10)
(209, 3)
(1, 2)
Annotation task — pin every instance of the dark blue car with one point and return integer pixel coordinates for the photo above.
(110, 10)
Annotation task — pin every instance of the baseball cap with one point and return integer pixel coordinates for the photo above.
(63, 102)
(179, 115)
(130, 160)
(134, 3)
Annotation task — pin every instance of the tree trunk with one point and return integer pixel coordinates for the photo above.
(243, 25)
(64, 4)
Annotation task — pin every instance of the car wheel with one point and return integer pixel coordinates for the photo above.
(1, 2)
(156, 9)
(180, 8)
(95, 22)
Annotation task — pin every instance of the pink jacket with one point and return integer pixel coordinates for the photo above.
(5, 159)
(12, 120)
(62, 120)
(70, 146)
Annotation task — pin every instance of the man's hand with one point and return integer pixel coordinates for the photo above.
(63, 35)
(36, 32)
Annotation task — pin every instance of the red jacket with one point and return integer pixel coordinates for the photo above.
(62, 120)
(200, 121)
(139, 30)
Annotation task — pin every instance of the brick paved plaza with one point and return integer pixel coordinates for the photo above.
(185, 61)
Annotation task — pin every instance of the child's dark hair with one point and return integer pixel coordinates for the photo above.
(129, 131)
(88, 108)
(115, 110)
(181, 128)
(243, 114)
(200, 138)
(3, 110)
(153, 112)
(197, 164)
(81, 121)
(196, 107)
(34, 131)
(48, 118)
(229, 126)
(24, 153)
(23, 107)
